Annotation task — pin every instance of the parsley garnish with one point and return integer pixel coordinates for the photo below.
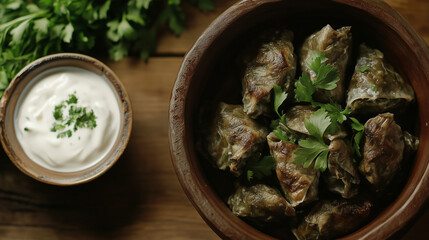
(364, 69)
(259, 168)
(335, 112)
(327, 78)
(279, 97)
(374, 88)
(314, 146)
(26, 129)
(327, 119)
(304, 89)
(279, 126)
(77, 117)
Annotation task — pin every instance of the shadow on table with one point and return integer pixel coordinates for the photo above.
(97, 208)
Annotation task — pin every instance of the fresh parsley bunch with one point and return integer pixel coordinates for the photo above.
(30, 29)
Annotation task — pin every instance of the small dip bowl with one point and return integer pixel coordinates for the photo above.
(9, 103)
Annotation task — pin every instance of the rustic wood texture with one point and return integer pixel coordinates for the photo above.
(140, 197)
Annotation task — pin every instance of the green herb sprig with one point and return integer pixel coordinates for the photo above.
(327, 77)
(257, 167)
(364, 69)
(279, 126)
(314, 146)
(77, 117)
(35, 28)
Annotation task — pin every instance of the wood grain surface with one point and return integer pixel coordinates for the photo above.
(140, 197)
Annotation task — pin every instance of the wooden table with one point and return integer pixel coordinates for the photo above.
(140, 197)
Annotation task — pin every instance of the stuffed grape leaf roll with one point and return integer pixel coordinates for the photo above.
(234, 137)
(299, 184)
(375, 86)
(343, 175)
(274, 64)
(336, 45)
(383, 150)
(259, 202)
(332, 219)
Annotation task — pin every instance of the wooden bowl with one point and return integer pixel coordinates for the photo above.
(207, 76)
(10, 98)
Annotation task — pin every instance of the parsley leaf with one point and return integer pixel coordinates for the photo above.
(279, 97)
(327, 78)
(64, 134)
(281, 134)
(335, 113)
(304, 89)
(318, 123)
(356, 143)
(72, 99)
(259, 168)
(78, 117)
(364, 69)
(356, 125)
(281, 130)
(314, 146)
(249, 175)
(310, 149)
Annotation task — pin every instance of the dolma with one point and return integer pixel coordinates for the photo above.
(332, 219)
(259, 202)
(336, 45)
(296, 115)
(375, 86)
(383, 150)
(274, 64)
(298, 184)
(343, 175)
(234, 137)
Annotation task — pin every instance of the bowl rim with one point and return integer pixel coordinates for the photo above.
(206, 201)
(118, 88)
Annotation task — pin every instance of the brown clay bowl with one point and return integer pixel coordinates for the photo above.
(207, 76)
(8, 105)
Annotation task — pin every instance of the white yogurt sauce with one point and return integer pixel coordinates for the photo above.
(34, 119)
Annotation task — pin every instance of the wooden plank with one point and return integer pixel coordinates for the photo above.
(196, 22)
(139, 198)
(416, 12)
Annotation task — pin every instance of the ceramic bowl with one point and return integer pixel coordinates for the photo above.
(9, 102)
(207, 76)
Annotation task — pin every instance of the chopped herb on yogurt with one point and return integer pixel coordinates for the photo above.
(76, 117)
